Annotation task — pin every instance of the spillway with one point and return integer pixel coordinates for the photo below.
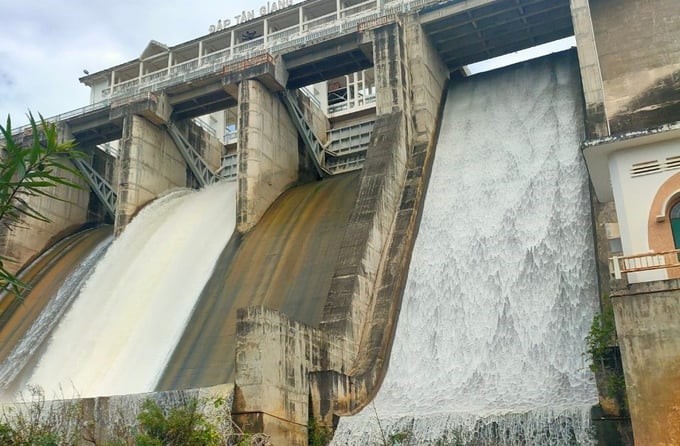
(501, 291)
(117, 335)
(24, 325)
(285, 263)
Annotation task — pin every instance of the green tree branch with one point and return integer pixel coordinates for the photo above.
(30, 170)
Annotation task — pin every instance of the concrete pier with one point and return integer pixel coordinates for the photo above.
(268, 152)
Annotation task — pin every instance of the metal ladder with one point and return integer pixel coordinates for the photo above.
(312, 143)
(99, 185)
(198, 166)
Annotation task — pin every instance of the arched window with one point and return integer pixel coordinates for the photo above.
(675, 224)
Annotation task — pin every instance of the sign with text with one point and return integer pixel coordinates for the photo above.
(267, 8)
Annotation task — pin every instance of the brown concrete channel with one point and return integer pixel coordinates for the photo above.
(285, 263)
(44, 276)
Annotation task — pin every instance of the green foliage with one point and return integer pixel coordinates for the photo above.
(610, 380)
(318, 434)
(400, 438)
(189, 422)
(38, 423)
(602, 335)
(179, 426)
(30, 170)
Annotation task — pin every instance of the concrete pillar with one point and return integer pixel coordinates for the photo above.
(382, 180)
(150, 164)
(429, 78)
(268, 152)
(591, 77)
(634, 47)
(647, 316)
(365, 295)
(271, 377)
(274, 356)
(390, 64)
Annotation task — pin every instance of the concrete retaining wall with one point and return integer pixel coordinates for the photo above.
(649, 337)
(268, 152)
(66, 213)
(630, 63)
(274, 356)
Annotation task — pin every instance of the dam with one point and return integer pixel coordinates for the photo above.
(331, 119)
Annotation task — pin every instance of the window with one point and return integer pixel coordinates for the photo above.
(675, 224)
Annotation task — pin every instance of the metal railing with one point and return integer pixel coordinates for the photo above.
(205, 126)
(619, 265)
(318, 28)
(69, 114)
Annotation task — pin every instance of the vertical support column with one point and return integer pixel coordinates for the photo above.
(371, 225)
(365, 295)
(268, 152)
(591, 75)
(391, 73)
(429, 77)
(150, 164)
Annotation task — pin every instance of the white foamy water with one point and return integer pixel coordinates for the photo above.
(501, 291)
(22, 353)
(120, 331)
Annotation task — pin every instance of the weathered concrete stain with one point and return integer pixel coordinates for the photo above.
(659, 104)
(285, 263)
(649, 336)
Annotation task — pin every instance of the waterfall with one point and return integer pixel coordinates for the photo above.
(47, 319)
(121, 329)
(489, 347)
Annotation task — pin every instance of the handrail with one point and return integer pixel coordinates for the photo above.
(619, 265)
(279, 41)
(205, 126)
(69, 114)
(359, 7)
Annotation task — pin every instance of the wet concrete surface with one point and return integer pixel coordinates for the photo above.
(285, 263)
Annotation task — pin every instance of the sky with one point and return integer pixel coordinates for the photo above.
(45, 45)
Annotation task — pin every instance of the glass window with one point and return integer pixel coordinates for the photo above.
(675, 224)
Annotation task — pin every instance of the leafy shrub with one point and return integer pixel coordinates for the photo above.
(179, 426)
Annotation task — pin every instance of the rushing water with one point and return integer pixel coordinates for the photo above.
(119, 332)
(50, 315)
(501, 291)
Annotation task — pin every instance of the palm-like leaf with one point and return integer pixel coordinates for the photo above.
(30, 171)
